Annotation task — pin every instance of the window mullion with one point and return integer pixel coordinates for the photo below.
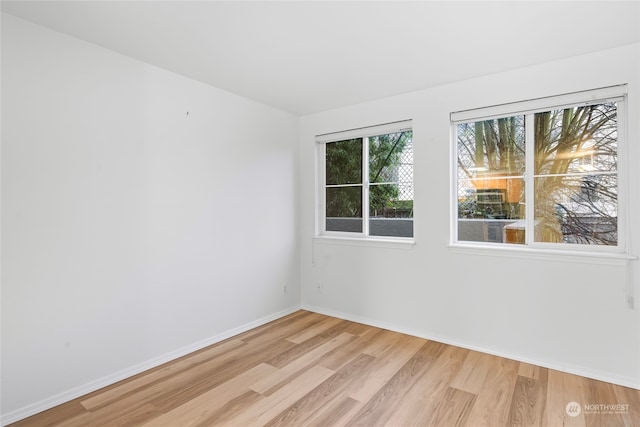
(365, 186)
(529, 179)
(322, 197)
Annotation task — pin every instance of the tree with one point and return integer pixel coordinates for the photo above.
(344, 169)
(489, 152)
(575, 166)
(576, 153)
(384, 159)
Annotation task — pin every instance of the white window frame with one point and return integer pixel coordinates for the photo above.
(528, 109)
(364, 133)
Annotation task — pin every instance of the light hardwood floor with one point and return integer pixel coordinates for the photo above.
(308, 369)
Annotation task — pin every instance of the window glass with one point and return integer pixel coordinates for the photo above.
(380, 205)
(572, 153)
(391, 184)
(344, 209)
(344, 186)
(344, 162)
(576, 185)
(491, 164)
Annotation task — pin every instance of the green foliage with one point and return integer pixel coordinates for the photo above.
(344, 162)
(344, 167)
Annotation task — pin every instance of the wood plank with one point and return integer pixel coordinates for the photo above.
(428, 391)
(493, 404)
(388, 363)
(597, 410)
(473, 373)
(203, 408)
(528, 371)
(529, 399)
(53, 416)
(563, 389)
(268, 384)
(265, 409)
(452, 408)
(133, 418)
(313, 330)
(631, 398)
(175, 390)
(119, 412)
(297, 413)
(207, 376)
(389, 359)
(298, 350)
(152, 376)
(333, 414)
(350, 351)
(281, 328)
(380, 407)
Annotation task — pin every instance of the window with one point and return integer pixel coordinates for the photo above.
(542, 173)
(367, 182)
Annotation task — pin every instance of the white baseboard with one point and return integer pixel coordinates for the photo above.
(568, 368)
(92, 386)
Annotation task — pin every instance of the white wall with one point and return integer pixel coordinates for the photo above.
(143, 215)
(568, 313)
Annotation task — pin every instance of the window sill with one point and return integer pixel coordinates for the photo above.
(406, 244)
(602, 258)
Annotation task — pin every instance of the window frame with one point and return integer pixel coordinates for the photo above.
(365, 133)
(528, 109)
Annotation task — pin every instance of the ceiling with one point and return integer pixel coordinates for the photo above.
(305, 57)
